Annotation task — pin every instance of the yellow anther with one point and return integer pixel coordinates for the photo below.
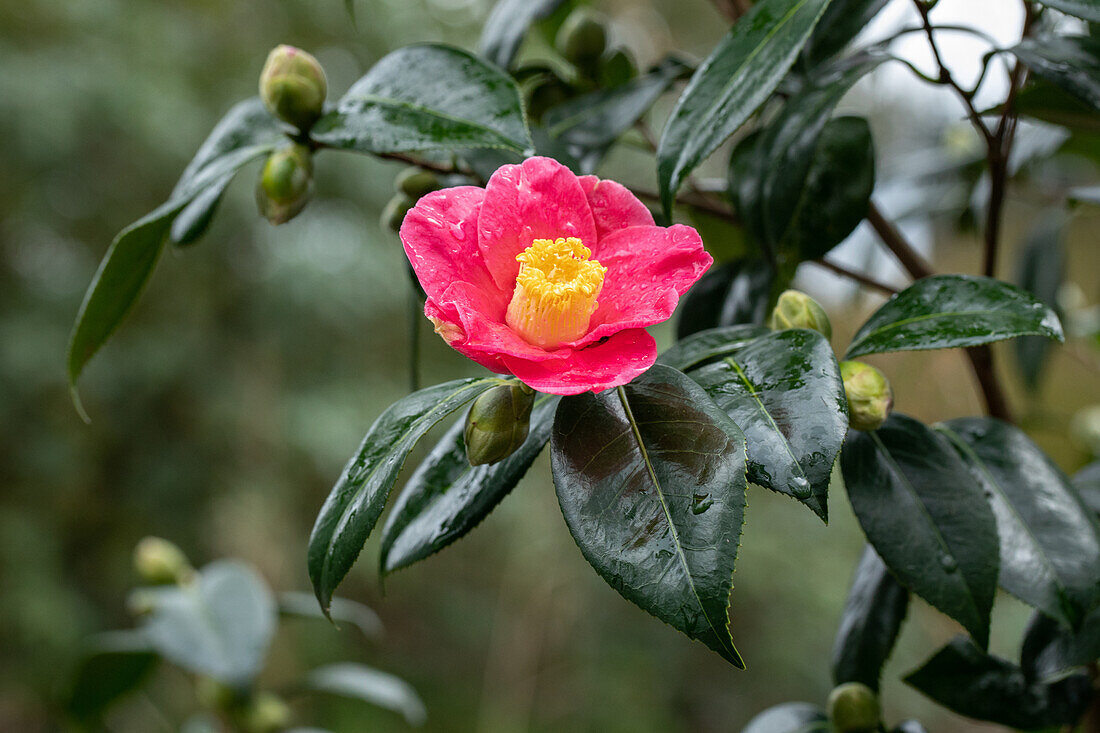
(556, 291)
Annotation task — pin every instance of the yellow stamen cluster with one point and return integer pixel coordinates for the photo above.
(556, 292)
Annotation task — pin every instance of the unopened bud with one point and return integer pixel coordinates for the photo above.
(869, 395)
(293, 86)
(617, 67)
(286, 184)
(795, 309)
(159, 562)
(394, 212)
(582, 38)
(854, 708)
(415, 182)
(497, 423)
(266, 713)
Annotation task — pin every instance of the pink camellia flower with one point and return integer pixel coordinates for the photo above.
(549, 276)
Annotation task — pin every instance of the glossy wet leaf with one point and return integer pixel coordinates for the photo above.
(341, 611)
(506, 26)
(111, 665)
(356, 501)
(1087, 483)
(1050, 542)
(790, 717)
(739, 75)
(1043, 100)
(947, 311)
(427, 97)
(734, 293)
(124, 270)
(870, 624)
(807, 183)
(785, 393)
(219, 626)
(963, 678)
(1040, 271)
(360, 682)
(926, 517)
(447, 497)
(1050, 651)
(592, 122)
(842, 22)
(705, 346)
(651, 481)
(1071, 62)
(1084, 9)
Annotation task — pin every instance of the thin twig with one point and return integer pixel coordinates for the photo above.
(699, 202)
(913, 262)
(859, 277)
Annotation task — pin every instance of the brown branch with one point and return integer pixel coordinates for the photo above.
(910, 259)
(859, 277)
(698, 201)
(981, 357)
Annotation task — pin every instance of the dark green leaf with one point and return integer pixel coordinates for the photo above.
(1084, 9)
(304, 605)
(360, 682)
(130, 260)
(356, 501)
(1045, 101)
(872, 619)
(651, 480)
(1050, 651)
(785, 393)
(814, 175)
(1040, 271)
(738, 76)
(447, 497)
(1050, 542)
(591, 122)
(947, 311)
(926, 518)
(112, 664)
(1087, 483)
(218, 626)
(427, 97)
(1071, 62)
(714, 343)
(194, 219)
(963, 678)
(507, 25)
(790, 717)
(842, 21)
(734, 293)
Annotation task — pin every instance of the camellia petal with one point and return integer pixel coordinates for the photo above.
(538, 199)
(613, 207)
(593, 369)
(648, 269)
(598, 266)
(440, 239)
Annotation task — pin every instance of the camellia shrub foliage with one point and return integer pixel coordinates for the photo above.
(548, 276)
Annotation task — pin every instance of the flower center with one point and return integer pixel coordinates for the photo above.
(556, 291)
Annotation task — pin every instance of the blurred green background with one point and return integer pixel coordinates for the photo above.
(227, 403)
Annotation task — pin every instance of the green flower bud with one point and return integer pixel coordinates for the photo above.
(415, 182)
(854, 708)
(582, 38)
(795, 309)
(159, 562)
(617, 67)
(869, 395)
(286, 184)
(546, 93)
(266, 713)
(394, 212)
(293, 86)
(215, 695)
(497, 423)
